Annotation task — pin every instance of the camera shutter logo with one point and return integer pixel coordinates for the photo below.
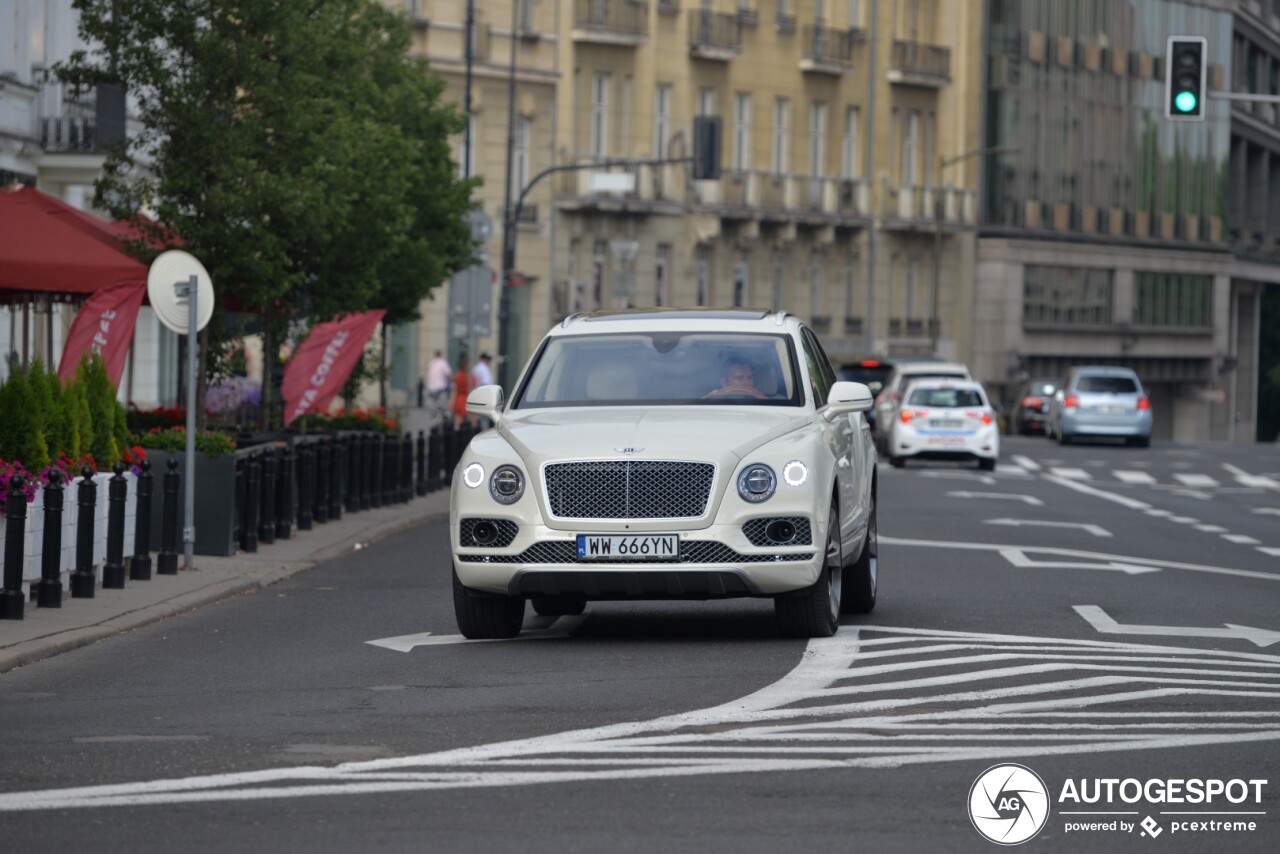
(1009, 804)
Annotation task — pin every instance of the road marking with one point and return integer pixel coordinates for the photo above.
(985, 479)
(1096, 530)
(1243, 478)
(1191, 493)
(1183, 520)
(1131, 503)
(1019, 558)
(1211, 529)
(1134, 477)
(1026, 462)
(1032, 500)
(1085, 555)
(1163, 514)
(1269, 550)
(1196, 481)
(560, 627)
(1071, 474)
(1099, 620)
(1274, 511)
(1242, 539)
(839, 708)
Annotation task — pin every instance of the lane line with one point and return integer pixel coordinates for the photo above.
(1138, 477)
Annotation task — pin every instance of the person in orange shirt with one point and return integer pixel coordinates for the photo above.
(461, 387)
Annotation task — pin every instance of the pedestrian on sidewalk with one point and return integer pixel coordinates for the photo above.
(438, 371)
(483, 373)
(462, 386)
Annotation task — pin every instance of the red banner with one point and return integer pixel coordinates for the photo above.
(319, 368)
(104, 325)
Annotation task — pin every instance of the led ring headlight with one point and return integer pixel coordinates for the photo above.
(507, 485)
(473, 475)
(757, 483)
(795, 473)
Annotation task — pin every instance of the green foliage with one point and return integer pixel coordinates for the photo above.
(78, 402)
(212, 442)
(296, 148)
(44, 408)
(101, 397)
(21, 436)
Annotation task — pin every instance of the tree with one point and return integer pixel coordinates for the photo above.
(21, 427)
(297, 149)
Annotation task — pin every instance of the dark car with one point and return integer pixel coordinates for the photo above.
(1031, 406)
(872, 372)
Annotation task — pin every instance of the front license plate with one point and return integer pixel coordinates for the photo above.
(629, 546)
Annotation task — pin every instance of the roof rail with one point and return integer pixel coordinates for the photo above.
(564, 324)
(779, 318)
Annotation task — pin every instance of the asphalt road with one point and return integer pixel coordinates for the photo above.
(269, 722)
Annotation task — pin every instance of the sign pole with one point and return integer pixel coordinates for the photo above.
(189, 484)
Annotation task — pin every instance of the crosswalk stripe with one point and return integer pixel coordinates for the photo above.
(1196, 480)
(1070, 473)
(1243, 539)
(1134, 477)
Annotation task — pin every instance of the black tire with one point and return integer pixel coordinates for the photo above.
(987, 464)
(1064, 439)
(558, 606)
(815, 612)
(1143, 441)
(862, 578)
(485, 616)
(896, 462)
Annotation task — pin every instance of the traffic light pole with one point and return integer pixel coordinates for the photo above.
(511, 218)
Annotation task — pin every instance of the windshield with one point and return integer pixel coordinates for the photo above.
(663, 368)
(945, 397)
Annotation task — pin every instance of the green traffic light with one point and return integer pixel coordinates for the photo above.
(1185, 102)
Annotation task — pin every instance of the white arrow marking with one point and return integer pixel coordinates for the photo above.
(1096, 530)
(561, 628)
(1019, 558)
(1243, 478)
(1099, 620)
(1033, 501)
(1274, 511)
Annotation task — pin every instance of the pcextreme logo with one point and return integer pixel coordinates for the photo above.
(1009, 804)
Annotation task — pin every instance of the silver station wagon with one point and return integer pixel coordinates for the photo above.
(668, 454)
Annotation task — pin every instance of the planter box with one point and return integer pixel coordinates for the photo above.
(215, 507)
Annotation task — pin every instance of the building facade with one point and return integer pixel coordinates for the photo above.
(1112, 234)
(846, 196)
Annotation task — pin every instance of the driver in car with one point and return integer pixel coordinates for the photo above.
(737, 379)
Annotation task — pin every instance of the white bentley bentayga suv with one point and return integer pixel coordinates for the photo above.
(668, 454)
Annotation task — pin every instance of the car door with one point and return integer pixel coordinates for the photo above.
(843, 437)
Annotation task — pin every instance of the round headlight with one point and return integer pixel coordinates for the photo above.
(507, 484)
(795, 473)
(757, 483)
(473, 475)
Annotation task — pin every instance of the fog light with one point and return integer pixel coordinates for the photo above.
(484, 532)
(780, 532)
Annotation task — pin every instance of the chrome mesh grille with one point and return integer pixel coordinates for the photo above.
(754, 529)
(629, 489)
(691, 551)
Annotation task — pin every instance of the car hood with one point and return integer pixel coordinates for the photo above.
(718, 434)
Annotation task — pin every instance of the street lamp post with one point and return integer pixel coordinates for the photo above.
(935, 322)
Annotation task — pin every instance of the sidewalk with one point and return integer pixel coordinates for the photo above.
(48, 631)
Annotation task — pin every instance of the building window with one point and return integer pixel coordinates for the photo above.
(1066, 296)
(520, 163)
(910, 290)
(854, 17)
(661, 119)
(1167, 299)
(816, 285)
(706, 101)
(779, 279)
(524, 14)
(702, 269)
(661, 259)
(850, 285)
(781, 135)
(817, 138)
(849, 150)
(740, 282)
(910, 145)
(600, 115)
(598, 261)
(741, 132)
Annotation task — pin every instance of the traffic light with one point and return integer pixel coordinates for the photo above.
(706, 148)
(1184, 78)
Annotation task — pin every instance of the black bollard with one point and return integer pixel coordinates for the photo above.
(284, 495)
(435, 457)
(49, 590)
(367, 473)
(167, 560)
(252, 491)
(117, 494)
(375, 482)
(305, 474)
(83, 581)
(140, 563)
(352, 486)
(337, 467)
(421, 471)
(12, 601)
(390, 469)
(320, 499)
(267, 511)
(406, 468)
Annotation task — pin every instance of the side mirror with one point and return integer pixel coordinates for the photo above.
(847, 397)
(486, 402)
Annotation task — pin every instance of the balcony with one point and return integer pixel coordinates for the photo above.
(622, 23)
(622, 187)
(919, 64)
(716, 36)
(827, 51)
(912, 207)
(69, 135)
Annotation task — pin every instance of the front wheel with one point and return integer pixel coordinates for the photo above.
(486, 616)
(815, 613)
(863, 577)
